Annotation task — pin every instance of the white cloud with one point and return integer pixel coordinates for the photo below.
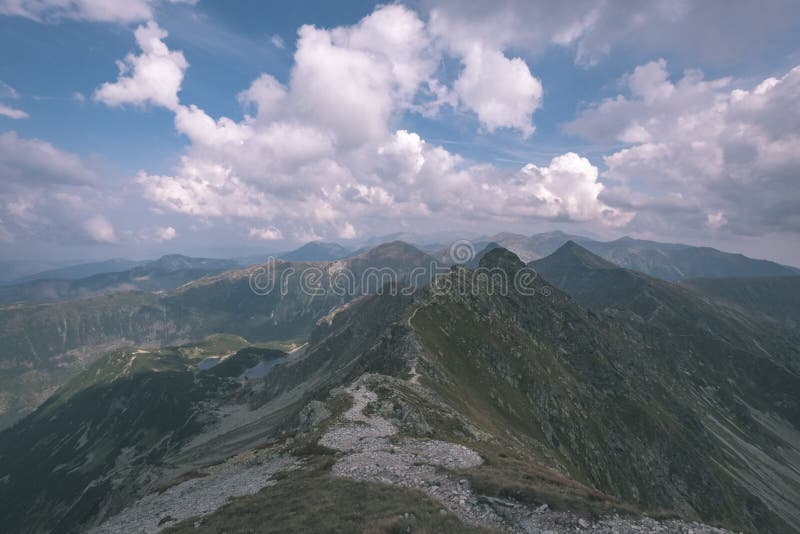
(319, 156)
(267, 95)
(267, 234)
(730, 153)
(47, 194)
(6, 91)
(12, 113)
(277, 41)
(717, 220)
(34, 162)
(347, 231)
(120, 11)
(501, 91)
(166, 233)
(154, 76)
(100, 229)
(591, 30)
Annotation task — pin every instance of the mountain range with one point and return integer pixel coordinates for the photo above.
(167, 272)
(668, 261)
(601, 398)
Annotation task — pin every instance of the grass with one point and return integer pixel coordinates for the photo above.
(510, 478)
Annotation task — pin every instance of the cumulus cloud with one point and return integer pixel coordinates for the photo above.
(166, 233)
(153, 77)
(119, 11)
(318, 156)
(728, 153)
(268, 234)
(502, 91)
(100, 229)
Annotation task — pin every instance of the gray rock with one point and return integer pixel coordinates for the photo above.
(312, 415)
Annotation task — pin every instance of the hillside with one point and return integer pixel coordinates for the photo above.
(777, 298)
(489, 405)
(41, 345)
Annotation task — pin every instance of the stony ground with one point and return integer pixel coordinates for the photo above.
(408, 462)
(243, 474)
(373, 452)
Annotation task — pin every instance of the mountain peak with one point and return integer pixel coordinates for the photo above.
(572, 253)
(502, 258)
(392, 248)
(317, 251)
(171, 261)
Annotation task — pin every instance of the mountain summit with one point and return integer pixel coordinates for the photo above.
(502, 258)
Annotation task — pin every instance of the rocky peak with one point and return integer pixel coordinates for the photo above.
(502, 258)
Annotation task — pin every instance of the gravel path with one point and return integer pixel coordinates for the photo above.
(407, 462)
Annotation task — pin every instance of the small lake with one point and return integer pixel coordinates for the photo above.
(208, 363)
(262, 368)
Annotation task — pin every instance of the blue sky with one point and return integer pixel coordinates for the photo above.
(229, 130)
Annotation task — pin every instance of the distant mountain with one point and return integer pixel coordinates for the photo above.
(667, 261)
(83, 270)
(316, 251)
(166, 272)
(638, 397)
(15, 269)
(678, 262)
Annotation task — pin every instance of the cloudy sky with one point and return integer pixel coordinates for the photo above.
(137, 127)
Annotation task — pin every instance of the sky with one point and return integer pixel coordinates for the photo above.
(134, 128)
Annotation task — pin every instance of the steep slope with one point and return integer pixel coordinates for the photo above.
(168, 272)
(777, 298)
(107, 433)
